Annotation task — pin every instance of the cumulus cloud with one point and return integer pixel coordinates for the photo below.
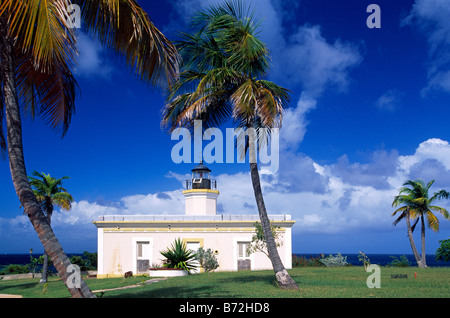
(324, 199)
(84, 212)
(295, 123)
(433, 148)
(354, 196)
(315, 62)
(375, 173)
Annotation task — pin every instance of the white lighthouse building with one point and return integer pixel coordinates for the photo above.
(134, 242)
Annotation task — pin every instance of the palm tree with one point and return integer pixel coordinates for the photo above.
(49, 192)
(224, 66)
(37, 53)
(414, 196)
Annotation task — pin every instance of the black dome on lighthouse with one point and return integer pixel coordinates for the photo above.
(201, 178)
(201, 167)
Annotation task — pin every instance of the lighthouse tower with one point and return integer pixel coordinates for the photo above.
(201, 192)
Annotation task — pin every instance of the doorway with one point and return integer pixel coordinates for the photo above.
(143, 253)
(243, 257)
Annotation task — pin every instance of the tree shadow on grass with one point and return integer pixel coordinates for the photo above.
(19, 286)
(217, 287)
(267, 279)
(207, 291)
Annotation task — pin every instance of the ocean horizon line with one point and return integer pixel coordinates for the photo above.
(381, 259)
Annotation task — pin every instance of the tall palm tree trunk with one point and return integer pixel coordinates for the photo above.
(411, 240)
(424, 258)
(44, 276)
(284, 280)
(18, 170)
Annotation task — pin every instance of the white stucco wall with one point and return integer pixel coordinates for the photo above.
(201, 202)
(117, 245)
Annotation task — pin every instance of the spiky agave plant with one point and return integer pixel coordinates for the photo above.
(178, 256)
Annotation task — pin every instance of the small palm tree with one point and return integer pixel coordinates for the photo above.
(418, 205)
(224, 68)
(49, 192)
(38, 50)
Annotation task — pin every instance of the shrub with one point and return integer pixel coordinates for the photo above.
(177, 256)
(92, 259)
(207, 259)
(15, 269)
(362, 257)
(301, 261)
(334, 261)
(443, 252)
(86, 262)
(399, 262)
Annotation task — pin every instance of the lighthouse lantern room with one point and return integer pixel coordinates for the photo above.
(201, 192)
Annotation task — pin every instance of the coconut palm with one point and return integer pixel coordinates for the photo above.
(223, 77)
(418, 205)
(49, 192)
(38, 51)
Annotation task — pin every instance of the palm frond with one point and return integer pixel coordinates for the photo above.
(3, 146)
(442, 194)
(125, 28)
(200, 52)
(44, 52)
(401, 217)
(63, 200)
(401, 209)
(42, 30)
(442, 211)
(432, 221)
(50, 95)
(414, 225)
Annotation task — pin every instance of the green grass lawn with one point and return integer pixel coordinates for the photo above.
(314, 282)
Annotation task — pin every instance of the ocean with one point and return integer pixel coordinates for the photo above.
(20, 259)
(379, 259)
(384, 259)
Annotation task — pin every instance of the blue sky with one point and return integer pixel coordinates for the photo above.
(369, 110)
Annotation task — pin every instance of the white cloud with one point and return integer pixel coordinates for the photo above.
(155, 203)
(431, 16)
(433, 148)
(90, 62)
(314, 62)
(295, 123)
(322, 199)
(389, 101)
(338, 198)
(84, 212)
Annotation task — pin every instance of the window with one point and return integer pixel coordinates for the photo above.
(193, 246)
(242, 250)
(143, 250)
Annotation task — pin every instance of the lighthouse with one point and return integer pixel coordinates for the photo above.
(201, 192)
(133, 243)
